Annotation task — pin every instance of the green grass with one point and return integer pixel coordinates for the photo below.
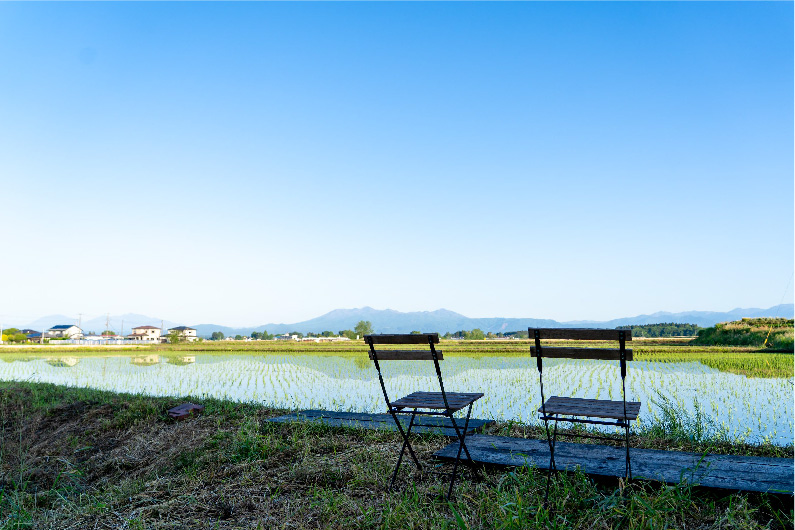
(774, 333)
(82, 458)
(744, 360)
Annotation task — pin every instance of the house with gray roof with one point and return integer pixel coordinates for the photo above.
(184, 333)
(65, 331)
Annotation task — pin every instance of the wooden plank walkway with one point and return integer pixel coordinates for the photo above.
(422, 424)
(743, 473)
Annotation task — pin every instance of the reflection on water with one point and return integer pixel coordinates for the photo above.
(145, 360)
(754, 408)
(181, 361)
(62, 362)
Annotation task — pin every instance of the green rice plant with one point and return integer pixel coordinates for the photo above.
(673, 422)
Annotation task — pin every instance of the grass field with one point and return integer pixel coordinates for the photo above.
(745, 360)
(775, 333)
(78, 458)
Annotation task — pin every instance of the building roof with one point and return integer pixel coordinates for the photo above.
(28, 331)
(182, 328)
(146, 327)
(64, 326)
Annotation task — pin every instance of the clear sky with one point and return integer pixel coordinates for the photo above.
(247, 163)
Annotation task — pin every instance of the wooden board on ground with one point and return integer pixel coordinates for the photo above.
(181, 412)
(422, 424)
(743, 473)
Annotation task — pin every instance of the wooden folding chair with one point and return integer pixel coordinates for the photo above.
(578, 410)
(422, 403)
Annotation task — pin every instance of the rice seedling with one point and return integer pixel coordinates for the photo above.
(747, 409)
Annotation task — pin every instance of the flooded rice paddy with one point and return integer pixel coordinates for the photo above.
(753, 410)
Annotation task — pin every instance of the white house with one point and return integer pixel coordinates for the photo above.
(65, 331)
(145, 333)
(185, 333)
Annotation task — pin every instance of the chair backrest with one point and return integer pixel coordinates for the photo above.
(430, 354)
(404, 355)
(614, 354)
(621, 354)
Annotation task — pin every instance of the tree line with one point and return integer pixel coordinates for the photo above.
(665, 329)
(364, 327)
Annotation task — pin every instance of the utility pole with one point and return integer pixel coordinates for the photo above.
(107, 322)
(1, 334)
(122, 328)
(80, 320)
(161, 330)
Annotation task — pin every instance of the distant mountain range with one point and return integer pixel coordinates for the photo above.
(441, 320)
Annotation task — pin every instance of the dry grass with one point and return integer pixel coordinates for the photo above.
(82, 459)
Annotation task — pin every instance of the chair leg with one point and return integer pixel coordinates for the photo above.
(461, 445)
(406, 443)
(628, 470)
(552, 465)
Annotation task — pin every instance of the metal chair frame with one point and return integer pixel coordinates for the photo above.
(447, 412)
(552, 439)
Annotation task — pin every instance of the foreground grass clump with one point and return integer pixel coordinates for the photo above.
(79, 458)
(774, 333)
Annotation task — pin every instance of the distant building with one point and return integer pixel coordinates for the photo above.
(32, 335)
(151, 333)
(185, 333)
(65, 331)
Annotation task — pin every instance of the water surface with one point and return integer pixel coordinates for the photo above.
(752, 409)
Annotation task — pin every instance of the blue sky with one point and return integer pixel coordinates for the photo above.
(246, 163)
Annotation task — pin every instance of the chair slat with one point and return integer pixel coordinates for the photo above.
(580, 333)
(609, 354)
(434, 400)
(594, 408)
(406, 355)
(421, 338)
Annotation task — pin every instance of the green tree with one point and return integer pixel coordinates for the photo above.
(416, 332)
(217, 335)
(238, 337)
(475, 334)
(174, 337)
(364, 327)
(349, 333)
(13, 335)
